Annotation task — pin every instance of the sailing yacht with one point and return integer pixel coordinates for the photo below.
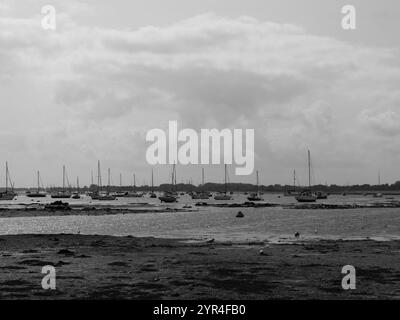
(8, 194)
(134, 194)
(76, 195)
(203, 194)
(99, 194)
(293, 192)
(307, 195)
(224, 195)
(170, 196)
(36, 194)
(63, 194)
(255, 196)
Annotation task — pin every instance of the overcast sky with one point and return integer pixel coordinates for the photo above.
(114, 69)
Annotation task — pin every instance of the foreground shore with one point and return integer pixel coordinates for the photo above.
(106, 267)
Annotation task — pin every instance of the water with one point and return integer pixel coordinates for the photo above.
(274, 224)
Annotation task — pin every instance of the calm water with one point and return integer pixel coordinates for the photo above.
(272, 224)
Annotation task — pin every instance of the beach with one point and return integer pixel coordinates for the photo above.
(109, 267)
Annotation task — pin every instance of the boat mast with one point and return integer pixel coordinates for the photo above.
(226, 187)
(152, 181)
(257, 182)
(98, 176)
(38, 178)
(120, 179)
(6, 176)
(63, 188)
(309, 169)
(108, 182)
(294, 180)
(134, 182)
(202, 178)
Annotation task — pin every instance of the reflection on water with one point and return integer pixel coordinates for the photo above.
(220, 223)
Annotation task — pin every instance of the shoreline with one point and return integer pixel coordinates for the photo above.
(109, 267)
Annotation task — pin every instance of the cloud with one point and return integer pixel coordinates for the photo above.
(296, 89)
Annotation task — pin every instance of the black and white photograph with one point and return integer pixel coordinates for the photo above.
(187, 150)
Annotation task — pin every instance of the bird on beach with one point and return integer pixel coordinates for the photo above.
(297, 235)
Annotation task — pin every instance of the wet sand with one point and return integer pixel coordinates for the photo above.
(106, 267)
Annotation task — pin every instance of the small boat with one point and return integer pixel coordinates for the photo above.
(255, 196)
(224, 195)
(291, 192)
(167, 197)
(8, 194)
(170, 196)
(321, 195)
(203, 195)
(76, 195)
(307, 195)
(36, 194)
(134, 194)
(62, 194)
(99, 195)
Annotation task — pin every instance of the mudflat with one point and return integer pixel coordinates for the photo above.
(107, 267)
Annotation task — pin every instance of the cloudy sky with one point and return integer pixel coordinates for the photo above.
(112, 70)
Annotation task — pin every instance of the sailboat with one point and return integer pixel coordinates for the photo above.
(8, 194)
(169, 196)
(152, 194)
(76, 195)
(64, 194)
(224, 195)
(107, 195)
(307, 195)
(203, 194)
(255, 196)
(293, 192)
(99, 195)
(134, 194)
(36, 194)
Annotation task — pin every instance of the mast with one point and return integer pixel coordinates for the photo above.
(309, 169)
(257, 182)
(38, 178)
(63, 188)
(176, 188)
(108, 182)
(77, 184)
(91, 176)
(134, 182)
(6, 176)
(294, 180)
(202, 178)
(226, 187)
(379, 178)
(98, 176)
(152, 182)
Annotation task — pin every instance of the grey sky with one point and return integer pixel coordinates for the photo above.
(114, 69)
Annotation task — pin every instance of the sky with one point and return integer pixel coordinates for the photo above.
(112, 70)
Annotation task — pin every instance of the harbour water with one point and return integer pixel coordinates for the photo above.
(273, 224)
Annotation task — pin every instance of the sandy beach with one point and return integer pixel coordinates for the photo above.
(107, 267)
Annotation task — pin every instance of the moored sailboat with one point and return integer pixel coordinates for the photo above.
(224, 195)
(8, 194)
(36, 194)
(307, 195)
(255, 196)
(170, 196)
(63, 194)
